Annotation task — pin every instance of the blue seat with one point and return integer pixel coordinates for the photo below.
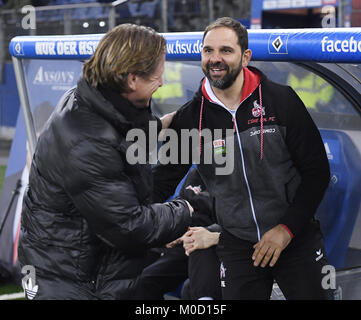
(56, 15)
(97, 13)
(60, 2)
(143, 9)
(43, 16)
(148, 8)
(123, 11)
(341, 204)
(79, 13)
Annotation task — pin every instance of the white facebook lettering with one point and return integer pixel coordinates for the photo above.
(347, 45)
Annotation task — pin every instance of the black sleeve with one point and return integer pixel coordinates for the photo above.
(104, 194)
(166, 177)
(214, 228)
(309, 156)
(201, 202)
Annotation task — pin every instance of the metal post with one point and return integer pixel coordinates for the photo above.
(340, 14)
(164, 13)
(211, 10)
(67, 21)
(2, 45)
(25, 105)
(33, 30)
(111, 18)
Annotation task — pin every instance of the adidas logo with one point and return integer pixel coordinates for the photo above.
(30, 290)
(319, 254)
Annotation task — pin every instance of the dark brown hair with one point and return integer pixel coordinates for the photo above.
(233, 24)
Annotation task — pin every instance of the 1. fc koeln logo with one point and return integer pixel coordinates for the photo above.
(256, 111)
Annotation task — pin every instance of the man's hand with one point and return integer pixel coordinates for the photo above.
(191, 210)
(166, 121)
(199, 238)
(270, 246)
(175, 243)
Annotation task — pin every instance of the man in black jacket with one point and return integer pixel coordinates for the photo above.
(266, 204)
(88, 216)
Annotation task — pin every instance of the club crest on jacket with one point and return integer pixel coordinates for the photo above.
(256, 110)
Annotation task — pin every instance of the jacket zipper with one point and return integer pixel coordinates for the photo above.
(246, 179)
(244, 166)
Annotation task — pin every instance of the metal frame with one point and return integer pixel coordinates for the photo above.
(25, 104)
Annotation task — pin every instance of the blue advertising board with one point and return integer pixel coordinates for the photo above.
(321, 45)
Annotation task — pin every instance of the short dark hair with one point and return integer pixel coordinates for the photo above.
(233, 24)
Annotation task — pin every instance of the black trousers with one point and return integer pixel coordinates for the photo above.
(165, 274)
(203, 272)
(298, 271)
(168, 272)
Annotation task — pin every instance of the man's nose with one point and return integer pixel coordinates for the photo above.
(215, 57)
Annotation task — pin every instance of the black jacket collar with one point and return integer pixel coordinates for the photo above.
(113, 107)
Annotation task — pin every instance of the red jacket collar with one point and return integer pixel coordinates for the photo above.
(251, 82)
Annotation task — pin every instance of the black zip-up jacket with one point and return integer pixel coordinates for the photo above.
(281, 170)
(88, 217)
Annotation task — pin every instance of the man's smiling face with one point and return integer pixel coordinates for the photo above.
(221, 57)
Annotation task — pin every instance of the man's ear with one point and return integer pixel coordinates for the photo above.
(132, 81)
(247, 55)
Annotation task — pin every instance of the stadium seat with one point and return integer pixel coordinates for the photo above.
(97, 13)
(341, 204)
(142, 9)
(123, 11)
(56, 15)
(43, 16)
(148, 8)
(61, 2)
(79, 13)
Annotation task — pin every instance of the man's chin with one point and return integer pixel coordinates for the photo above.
(218, 83)
(142, 104)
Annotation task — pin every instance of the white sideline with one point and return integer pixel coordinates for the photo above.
(12, 296)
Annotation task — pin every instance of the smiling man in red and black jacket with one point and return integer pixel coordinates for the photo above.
(266, 205)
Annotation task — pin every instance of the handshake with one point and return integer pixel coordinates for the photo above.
(196, 238)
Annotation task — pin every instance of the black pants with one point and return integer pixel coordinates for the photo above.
(163, 275)
(203, 272)
(298, 271)
(170, 270)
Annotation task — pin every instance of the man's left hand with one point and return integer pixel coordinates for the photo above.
(269, 248)
(167, 119)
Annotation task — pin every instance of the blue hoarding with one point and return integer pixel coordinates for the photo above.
(321, 45)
